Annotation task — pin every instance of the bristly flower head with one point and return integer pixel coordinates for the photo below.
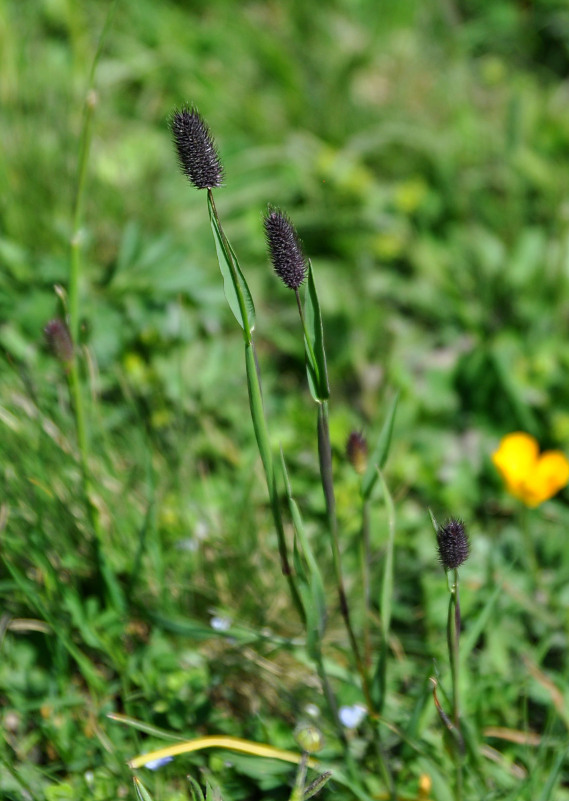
(59, 341)
(197, 153)
(453, 544)
(285, 250)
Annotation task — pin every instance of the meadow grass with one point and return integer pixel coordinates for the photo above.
(421, 151)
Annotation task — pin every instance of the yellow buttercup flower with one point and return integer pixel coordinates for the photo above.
(530, 476)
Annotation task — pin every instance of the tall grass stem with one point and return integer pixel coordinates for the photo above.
(258, 416)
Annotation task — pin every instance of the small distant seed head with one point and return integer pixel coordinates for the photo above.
(453, 544)
(197, 153)
(356, 451)
(285, 249)
(59, 341)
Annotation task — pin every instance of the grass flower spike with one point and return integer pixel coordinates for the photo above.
(453, 544)
(197, 152)
(285, 249)
(530, 476)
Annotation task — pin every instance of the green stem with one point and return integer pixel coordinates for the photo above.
(365, 559)
(325, 458)
(240, 299)
(453, 640)
(299, 784)
(529, 547)
(326, 475)
(259, 421)
(262, 437)
(307, 340)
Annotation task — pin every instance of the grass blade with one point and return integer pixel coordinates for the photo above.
(229, 743)
(141, 792)
(316, 369)
(381, 451)
(234, 285)
(380, 678)
(148, 728)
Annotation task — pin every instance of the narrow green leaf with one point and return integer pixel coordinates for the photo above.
(141, 792)
(387, 584)
(315, 602)
(258, 414)
(316, 369)
(212, 791)
(553, 776)
(475, 629)
(235, 287)
(315, 786)
(195, 789)
(148, 728)
(380, 677)
(381, 451)
(433, 521)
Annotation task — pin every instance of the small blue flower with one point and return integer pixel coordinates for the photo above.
(220, 623)
(155, 764)
(352, 716)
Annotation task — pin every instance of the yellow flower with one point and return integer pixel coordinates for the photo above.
(530, 476)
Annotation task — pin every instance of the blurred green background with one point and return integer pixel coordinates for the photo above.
(422, 150)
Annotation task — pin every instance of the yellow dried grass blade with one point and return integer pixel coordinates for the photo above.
(230, 743)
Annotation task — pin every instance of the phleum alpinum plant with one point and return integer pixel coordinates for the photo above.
(369, 646)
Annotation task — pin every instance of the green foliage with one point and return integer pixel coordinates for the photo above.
(422, 150)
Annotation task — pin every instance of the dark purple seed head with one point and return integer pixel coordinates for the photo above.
(453, 544)
(59, 341)
(356, 451)
(197, 153)
(285, 250)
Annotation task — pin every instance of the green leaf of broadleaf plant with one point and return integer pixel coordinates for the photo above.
(381, 451)
(234, 284)
(316, 369)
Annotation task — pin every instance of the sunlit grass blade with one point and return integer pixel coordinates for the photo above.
(380, 453)
(228, 743)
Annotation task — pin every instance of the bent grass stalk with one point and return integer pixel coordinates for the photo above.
(74, 381)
